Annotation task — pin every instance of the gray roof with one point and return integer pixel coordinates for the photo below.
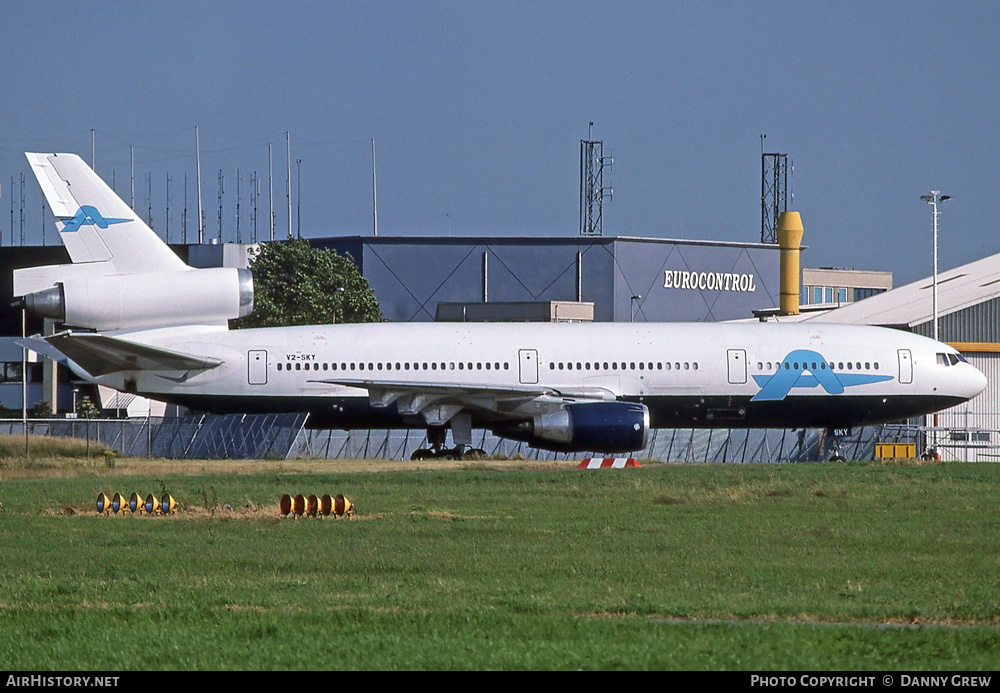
(912, 304)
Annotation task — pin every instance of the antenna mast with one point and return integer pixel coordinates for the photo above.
(375, 195)
(592, 190)
(239, 181)
(166, 230)
(773, 192)
(288, 181)
(131, 168)
(149, 200)
(222, 190)
(201, 216)
(270, 189)
(184, 214)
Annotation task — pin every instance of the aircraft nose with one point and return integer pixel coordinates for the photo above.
(973, 381)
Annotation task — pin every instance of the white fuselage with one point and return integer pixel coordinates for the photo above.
(687, 374)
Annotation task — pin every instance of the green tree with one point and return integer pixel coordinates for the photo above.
(296, 284)
(41, 410)
(85, 409)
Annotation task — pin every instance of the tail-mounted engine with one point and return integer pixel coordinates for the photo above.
(154, 299)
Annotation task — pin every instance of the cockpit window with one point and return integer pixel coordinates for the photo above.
(950, 359)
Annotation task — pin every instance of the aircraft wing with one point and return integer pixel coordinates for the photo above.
(100, 354)
(437, 402)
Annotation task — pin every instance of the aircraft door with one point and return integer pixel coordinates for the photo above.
(737, 366)
(528, 366)
(905, 367)
(257, 367)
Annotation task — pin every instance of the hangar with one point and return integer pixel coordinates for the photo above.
(625, 278)
(969, 320)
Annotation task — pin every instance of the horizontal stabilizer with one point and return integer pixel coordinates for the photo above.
(100, 355)
(38, 345)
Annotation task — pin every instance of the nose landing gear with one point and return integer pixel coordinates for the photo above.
(836, 436)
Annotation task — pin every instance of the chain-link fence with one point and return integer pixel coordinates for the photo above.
(234, 436)
(283, 436)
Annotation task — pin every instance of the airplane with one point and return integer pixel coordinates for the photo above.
(138, 319)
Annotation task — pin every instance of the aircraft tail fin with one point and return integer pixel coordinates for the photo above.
(123, 275)
(95, 224)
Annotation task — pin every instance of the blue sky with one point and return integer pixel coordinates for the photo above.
(478, 108)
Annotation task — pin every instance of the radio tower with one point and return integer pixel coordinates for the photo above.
(773, 192)
(592, 190)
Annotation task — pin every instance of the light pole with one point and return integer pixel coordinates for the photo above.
(336, 306)
(933, 199)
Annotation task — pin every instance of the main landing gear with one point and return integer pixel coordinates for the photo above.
(436, 438)
(456, 453)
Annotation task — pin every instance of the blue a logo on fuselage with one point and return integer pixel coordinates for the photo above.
(804, 368)
(88, 215)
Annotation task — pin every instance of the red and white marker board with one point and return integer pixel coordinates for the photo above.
(608, 463)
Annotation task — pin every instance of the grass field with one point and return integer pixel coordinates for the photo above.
(852, 566)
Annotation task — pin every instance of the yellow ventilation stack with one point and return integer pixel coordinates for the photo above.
(790, 241)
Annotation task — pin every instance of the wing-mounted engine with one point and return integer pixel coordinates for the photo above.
(153, 299)
(606, 427)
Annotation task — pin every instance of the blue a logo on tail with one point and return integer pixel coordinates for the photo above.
(88, 215)
(804, 368)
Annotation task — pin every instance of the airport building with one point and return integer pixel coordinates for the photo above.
(624, 278)
(832, 287)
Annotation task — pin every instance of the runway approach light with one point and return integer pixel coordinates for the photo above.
(312, 506)
(325, 505)
(118, 504)
(151, 506)
(295, 505)
(342, 506)
(168, 506)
